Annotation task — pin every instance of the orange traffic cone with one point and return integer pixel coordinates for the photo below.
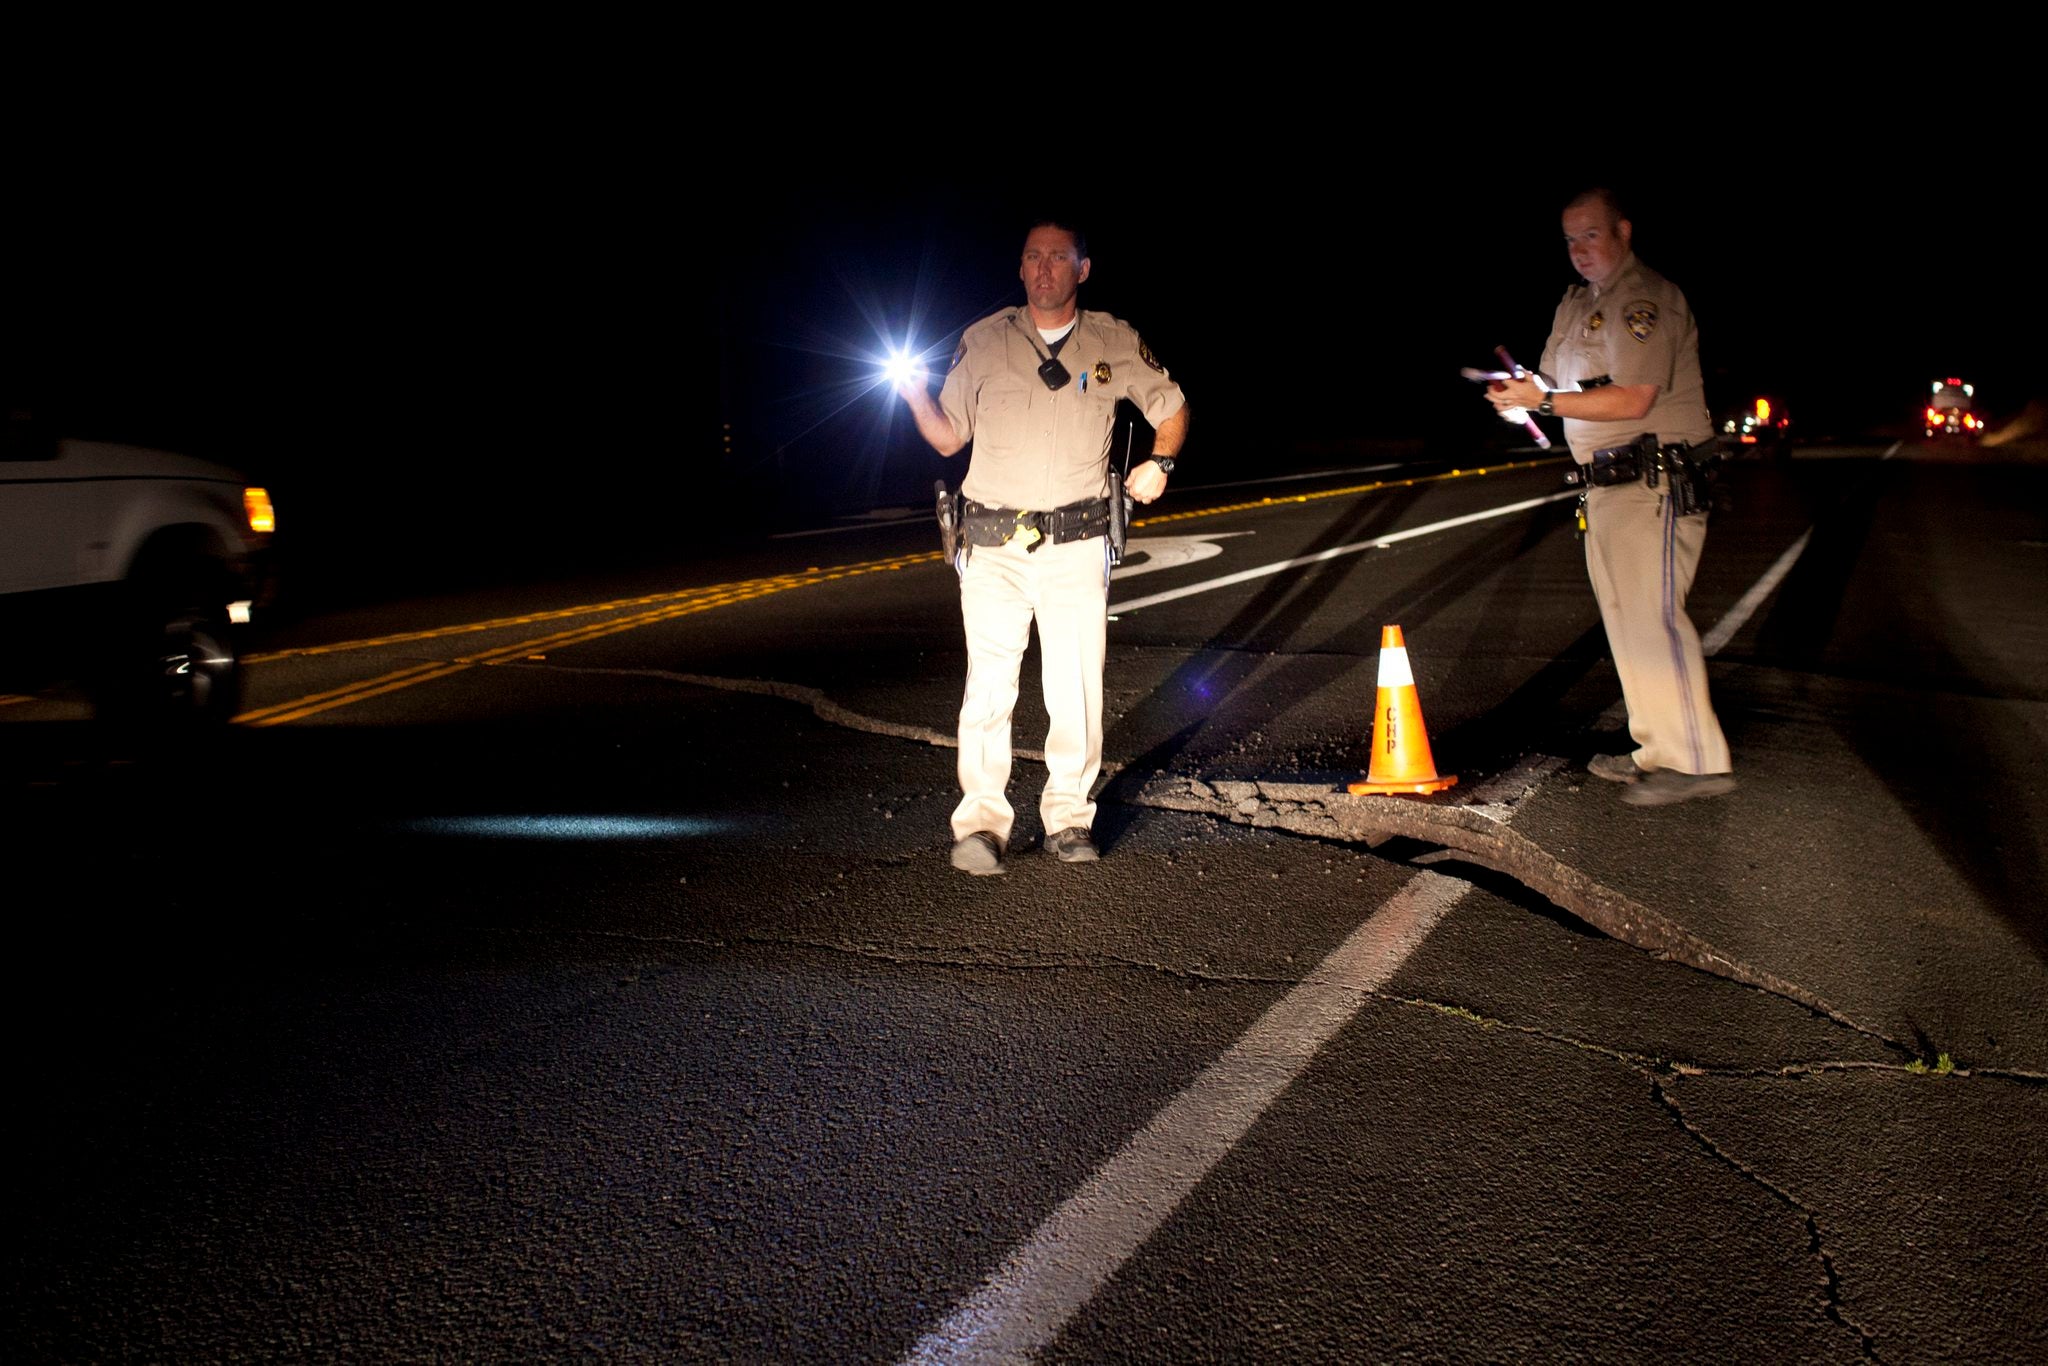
(1400, 746)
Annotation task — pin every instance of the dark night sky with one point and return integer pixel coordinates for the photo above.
(1314, 291)
(476, 297)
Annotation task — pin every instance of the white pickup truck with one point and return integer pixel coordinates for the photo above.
(128, 572)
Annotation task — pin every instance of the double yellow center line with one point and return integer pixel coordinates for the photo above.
(657, 607)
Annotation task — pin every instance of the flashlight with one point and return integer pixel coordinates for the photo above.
(901, 367)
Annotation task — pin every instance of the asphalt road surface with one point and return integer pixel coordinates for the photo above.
(574, 971)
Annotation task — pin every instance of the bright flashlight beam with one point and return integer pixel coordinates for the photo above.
(901, 366)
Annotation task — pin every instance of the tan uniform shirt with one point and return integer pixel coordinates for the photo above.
(1036, 448)
(1637, 329)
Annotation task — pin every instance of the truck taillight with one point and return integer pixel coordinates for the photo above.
(256, 507)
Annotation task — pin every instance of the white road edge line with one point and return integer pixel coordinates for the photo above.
(1377, 542)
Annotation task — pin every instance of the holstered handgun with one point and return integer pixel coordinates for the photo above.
(949, 524)
(1689, 477)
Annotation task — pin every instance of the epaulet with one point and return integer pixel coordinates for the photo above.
(1000, 318)
(1109, 322)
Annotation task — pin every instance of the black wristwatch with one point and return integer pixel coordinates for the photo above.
(1165, 463)
(1546, 408)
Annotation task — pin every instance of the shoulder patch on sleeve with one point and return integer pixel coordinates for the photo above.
(958, 352)
(1145, 355)
(1641, 317)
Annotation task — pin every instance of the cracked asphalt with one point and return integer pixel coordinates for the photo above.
(619, 1005)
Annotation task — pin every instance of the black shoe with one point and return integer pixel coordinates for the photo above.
(1666, 786)
(981, 853)
(1615, 768)
(1073, 845)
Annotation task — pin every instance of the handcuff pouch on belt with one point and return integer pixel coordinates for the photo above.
(984, 525)
(1684, 472)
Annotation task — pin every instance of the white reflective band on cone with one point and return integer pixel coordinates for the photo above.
(1394, 670)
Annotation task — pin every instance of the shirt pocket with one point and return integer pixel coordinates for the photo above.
(1581, 359)
(1004, 416)
(1005, 396)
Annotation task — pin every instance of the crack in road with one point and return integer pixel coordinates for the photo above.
(966, 956)
(1318, 811)
(1681, 1068)
(815, 698)
(825, 708)
(977, 957)
(1481, 835)
(1816, 1246)
(1654, 1069)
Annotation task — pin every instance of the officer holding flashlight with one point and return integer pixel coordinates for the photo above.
(1034, 389)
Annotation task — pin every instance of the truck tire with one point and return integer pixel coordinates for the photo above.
(175, 665)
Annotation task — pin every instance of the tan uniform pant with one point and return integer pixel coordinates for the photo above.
(1066, 588)
(1641, 559)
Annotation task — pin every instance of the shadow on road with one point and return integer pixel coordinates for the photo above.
(1947, 749)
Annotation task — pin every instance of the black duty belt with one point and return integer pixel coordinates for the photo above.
(1621, 465)
(1686, 473)
(985, 525)
(1641, 459)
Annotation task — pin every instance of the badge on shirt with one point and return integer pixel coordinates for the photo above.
(1102, 372)
(1145, 355)
(1642, 319)
(1595, 323)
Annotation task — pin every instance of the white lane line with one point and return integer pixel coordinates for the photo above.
(1497, 798)
(1267, 570)
(1046, 1279)
(1745, 607)
(1891, 450)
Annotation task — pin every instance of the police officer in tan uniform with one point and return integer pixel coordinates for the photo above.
(1623, 361)
(1035, 390)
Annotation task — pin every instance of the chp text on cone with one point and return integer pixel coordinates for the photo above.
(1401, 760)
